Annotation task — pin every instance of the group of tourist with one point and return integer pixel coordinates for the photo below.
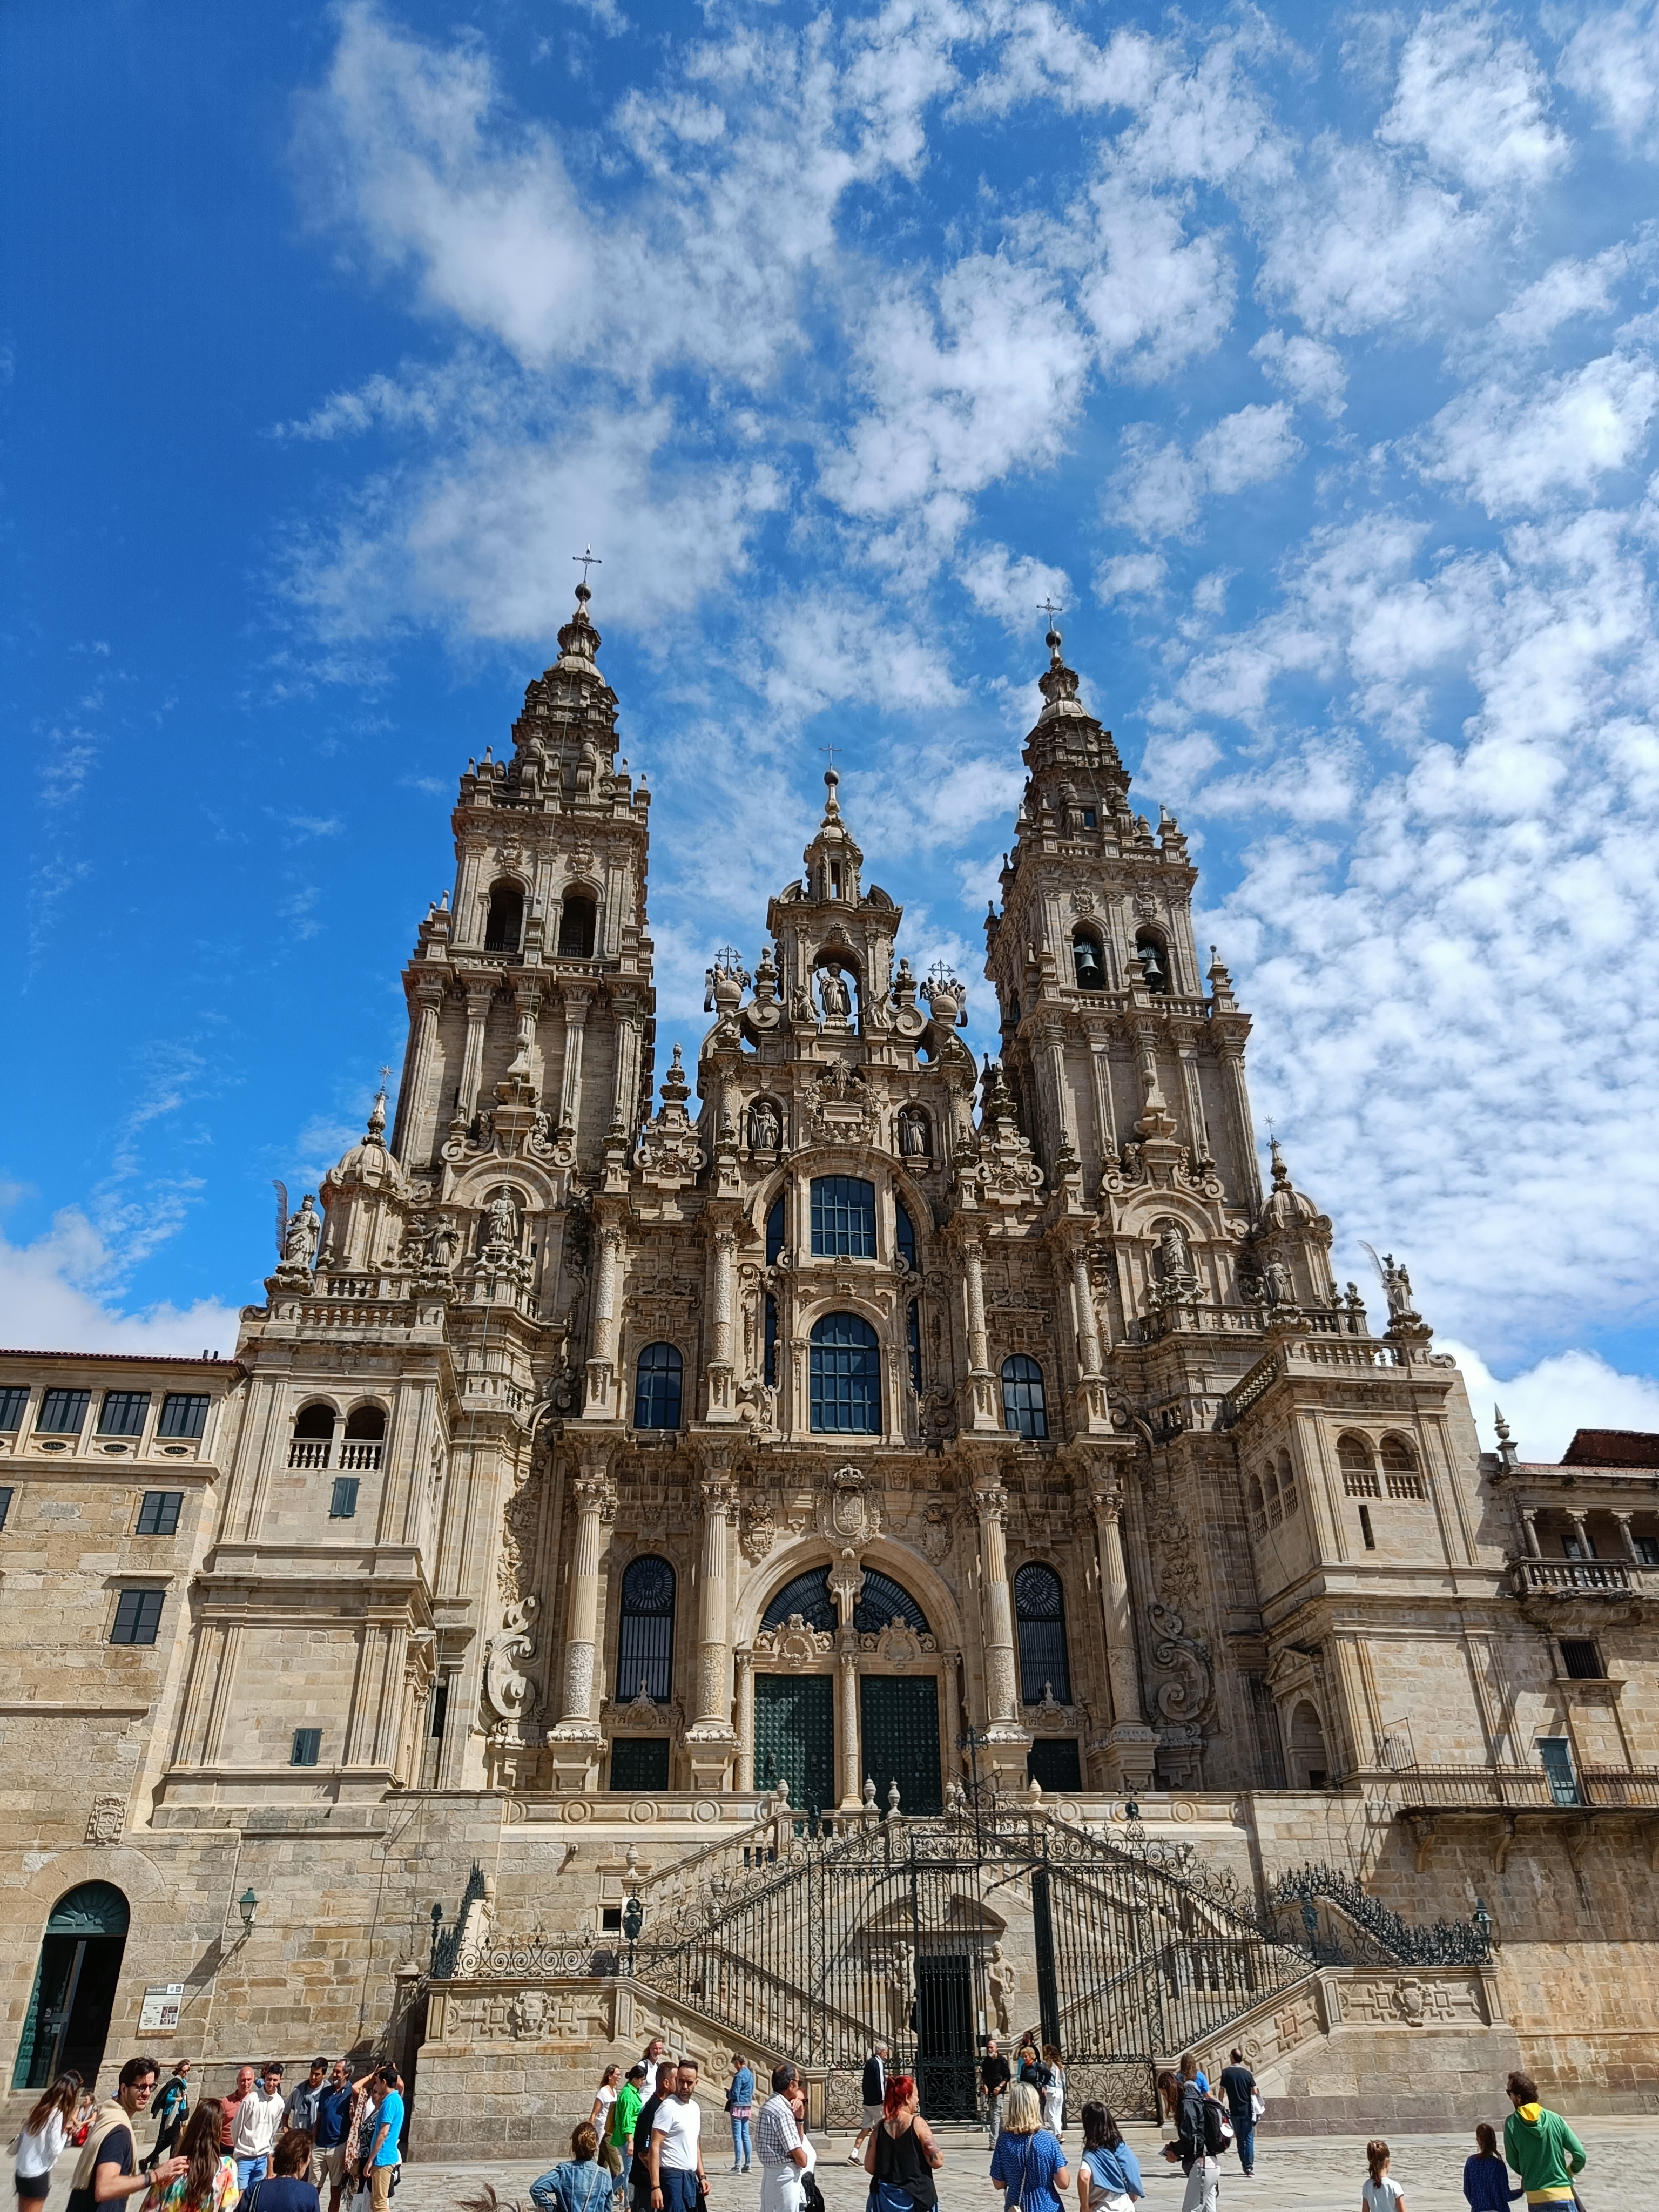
(641, 2148)
(256, 2150)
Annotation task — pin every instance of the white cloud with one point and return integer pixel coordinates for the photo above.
(1611, 61)
(1565, 289)
(1157, 489)
(1544, 1404)
(1011, 589)
(1520, 449)
(1312, 372)
(1476, 101)
(55, 1296)
(1130, 575)
(1153, 297)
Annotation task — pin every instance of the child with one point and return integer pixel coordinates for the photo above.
(1380, 2194)
(1485, 2176)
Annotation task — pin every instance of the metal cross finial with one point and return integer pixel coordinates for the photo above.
(385, 1070)
(1048, 608)
(589, 559)
(830, 750)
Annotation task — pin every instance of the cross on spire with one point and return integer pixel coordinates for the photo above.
(1048, 607)
(588, 559)
(830, 750)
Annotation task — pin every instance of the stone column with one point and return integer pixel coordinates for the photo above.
(744, 1776)
(721, 1402)
(981, 1382)
(1626, 1539)
(712, 1740)
(846, 1685)
(624, 1100)
(576, 1004)
(1581, 1534)
(1130, 1744)
(1002, 1714)
(479, 996)
(417, 1066)
(1529, 1531)
(594, 1498)
(1088, 1329)
(1232, 1060)
(1055, 1051)
(604, 1397)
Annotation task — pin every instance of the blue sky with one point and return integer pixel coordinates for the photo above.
(1309, 359)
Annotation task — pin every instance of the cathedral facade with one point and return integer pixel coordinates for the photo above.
(618, 1476)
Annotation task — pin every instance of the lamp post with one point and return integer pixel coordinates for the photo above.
(247, 1904)
(633, 1920)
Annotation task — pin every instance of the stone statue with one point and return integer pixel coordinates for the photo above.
(500, 1222)
(1000, 1981)
(1281, 1291)
(833, 995)
(765, 1130)
(913, 1133)
(303, 1234)
(900, 1990)
(443, 1246)
(1396, 1287)
(1174, 1253)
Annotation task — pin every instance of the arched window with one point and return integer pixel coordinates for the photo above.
(313, 1431)
(1024, 1411)
(577, 917)
(1087, 962)
(845, 1372)
(1154, 961)
(775, 1230)
(904, 1235)
(843, 1218)
(1258, 1508)
(504, 924)
(882, 1601)
(808, 1595)
(645, 1641)
(1040, 1612)
(1287, 1496)
(366, 1425)
(657, 1387)
(1399, 1476)
(1308, 1760)
(1353, 1456)
(67, 2023)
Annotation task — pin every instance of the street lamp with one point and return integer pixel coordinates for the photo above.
(248, 1904)
(633, 1920)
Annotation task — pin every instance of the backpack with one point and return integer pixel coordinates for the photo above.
(1218, 2129)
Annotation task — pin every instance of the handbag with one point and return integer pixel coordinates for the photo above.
(812, 2196)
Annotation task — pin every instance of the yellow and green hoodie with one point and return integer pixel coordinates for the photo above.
(1545, 2151)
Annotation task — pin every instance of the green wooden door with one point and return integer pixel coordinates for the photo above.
(795, 1737)
(898, 1717)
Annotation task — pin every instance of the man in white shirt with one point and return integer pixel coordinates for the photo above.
(258, 2124)
(777, 2138)
(677, 2178)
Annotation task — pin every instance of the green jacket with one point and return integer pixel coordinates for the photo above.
(1544, 2151)
(628, 2101)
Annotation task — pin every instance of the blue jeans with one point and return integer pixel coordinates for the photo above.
(679, 2188)
(742, 2150)
(249, 2170)
(1244, 2141)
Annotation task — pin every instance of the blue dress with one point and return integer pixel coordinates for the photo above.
(1026, 2166)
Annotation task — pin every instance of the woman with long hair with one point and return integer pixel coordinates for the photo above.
(1028, 2164)
(42, 2139)
(901, 2152)
(1108, 2179)
(207, 2184)
(580, 2183)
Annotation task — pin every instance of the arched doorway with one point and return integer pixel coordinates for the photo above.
(68, 2014)
(1310, 1763)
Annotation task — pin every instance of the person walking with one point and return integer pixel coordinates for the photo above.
(107, 2168)
(796, 2094)
(1485, 2176)
(993, 2079)
(1541, 2146)
(41, 2139)
(1053, 2090)
(604, 2111)
(334, 2102)
(872, 2096)
(384, 2155)
(1380, 2193)
(783, 2155)
(740, 2108)
(288, 2187)
(207, 2183)
(230, 2105)
(900, 2157)
(170, 2112)
(1028, 2164)
(677, 2175)
(623, 2118)
(1238, 2088)
(580, 2183)
(1187, 2104)
(640, 2171)
(258, 2124)
(1109, 2176)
